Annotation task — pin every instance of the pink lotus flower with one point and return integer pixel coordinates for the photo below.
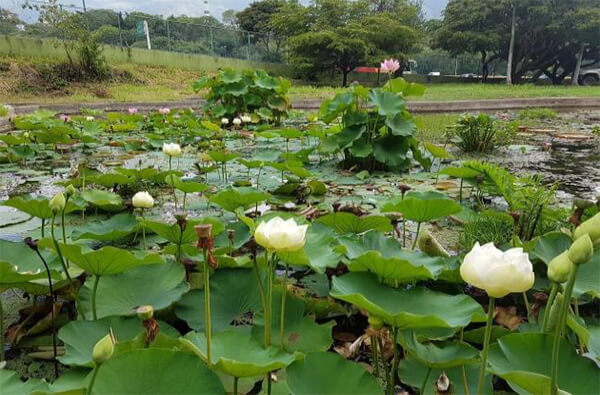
(164, 110)
(389, 66)
(64, 118)
(132, 110)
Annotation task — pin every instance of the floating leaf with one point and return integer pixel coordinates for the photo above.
(319, 252)
(232, 198)
(113, 229)
(343, 222)
(423, 206)
(105, 200)
(440, 355)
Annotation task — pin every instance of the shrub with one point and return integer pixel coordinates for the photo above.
(233, 93)
(476, 133)
(376, 131)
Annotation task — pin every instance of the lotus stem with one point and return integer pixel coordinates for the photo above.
(43, 227)
(269, 383)
(383, 360)
(392, 382)
(52, 314)
(463, 371)
(562, 318)
(92, 380)
(374, 356)
(207, 314)
(94, 292)
(460, 190)
(268, 315)
(262, 296)
(282, 318)
(65, 269)
(416, 237)
(143, 229)
(527, 308)
(425, 380)
(235, 385)
(184, 197)
(62, 224)
(551, 297)
(1, 331)
(172, 182)
(486, 344)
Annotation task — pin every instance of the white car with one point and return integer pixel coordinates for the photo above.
(589, 76)
(434, 73)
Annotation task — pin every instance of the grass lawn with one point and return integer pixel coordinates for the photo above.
(155, 83)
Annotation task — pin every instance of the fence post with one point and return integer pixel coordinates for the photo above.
(168, 34)
(120, 31)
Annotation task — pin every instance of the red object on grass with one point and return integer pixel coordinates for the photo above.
(367, 70)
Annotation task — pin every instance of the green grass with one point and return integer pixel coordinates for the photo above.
(3, 111)
(432, 127)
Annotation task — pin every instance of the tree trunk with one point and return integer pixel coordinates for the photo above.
(511, 49)
(345, 80)
(575, 79)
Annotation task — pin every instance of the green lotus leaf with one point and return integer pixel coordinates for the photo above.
(588, 276)
(71, 382)
(413, 373)
(392, 151)
(237, 353)
(343, 222)
(229, 75)
(265, 81)
(387, 103)
(264, 113)
(80, 337)
(440, 355)
(329, 373)
(289, 133)
(113, 229)
(37, 207)
(108, 260)
(155, 285)
(104, 200)
(109, 180)
(437, 152)
(172, 232)
(400, 126)
(476, 335)
(277, 103)
(142, 371)
(319, 252)
(186, 186)
(225, 306)
(385, 257)
(11, 383)
(550, 245)
(231, 198)
(523, 360)
(423, 206)
(412, 308)
(222, 156)
(348, 136)
(460, 172)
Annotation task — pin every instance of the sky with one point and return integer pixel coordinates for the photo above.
(433, 8)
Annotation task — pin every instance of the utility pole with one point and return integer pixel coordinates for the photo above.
(511, 48)
(575, 80)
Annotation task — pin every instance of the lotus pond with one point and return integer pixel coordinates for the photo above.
(278, 251)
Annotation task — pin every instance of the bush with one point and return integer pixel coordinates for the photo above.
(488, 227)
(476, 133)
(233, 93)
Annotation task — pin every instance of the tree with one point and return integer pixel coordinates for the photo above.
(256, 19)
(9, 21)
(326, 51)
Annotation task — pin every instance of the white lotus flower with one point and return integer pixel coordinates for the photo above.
(237, 121)
(498, 273)
(246, 118)
(281, 236)
(224, 121)
(142, 200)
(89, 118)
(171, 149)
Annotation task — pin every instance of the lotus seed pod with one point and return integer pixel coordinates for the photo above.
(554, 313)
(581, 250)
(428, 244)
(559, 268)
(590, 227)
(203, 230)
(145, 312)
(57, 203)
(375, 322)
(104, 349)
(583, 203)
(70, 190)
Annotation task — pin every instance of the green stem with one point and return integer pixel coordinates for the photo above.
(184, 196)
(64, 266)
(551, 297)
(235, 385)
(143, 230)
(462, 367)
(269, 316)
(43, 227)
(564, 308)
(52, 314)
(173, 183)
(374, 356)
(527, 308)
(94, 292)
(486, 344)
(416, 237)
(425, 381)
(460, 190)
(92, 380)
(282, 318)
(269, 383)
(62, 224)
(262, 295)
(384, 364)
(207, 307)
(393, 373)
(1, 331)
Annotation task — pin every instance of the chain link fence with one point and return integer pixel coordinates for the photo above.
(204, 35)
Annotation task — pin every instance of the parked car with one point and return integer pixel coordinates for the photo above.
(589, 76)
(469, 75)
(434, 73)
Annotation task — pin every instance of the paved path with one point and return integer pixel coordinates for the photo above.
(557, 103)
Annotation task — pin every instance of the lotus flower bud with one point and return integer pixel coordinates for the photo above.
(581, 250)
(281, 236)
(145, 312)
(554, 313)
(429, 245)
(590, 227)
(57, 203)
(375, 322)
(224, 121)
(104, 349)
(237, 121)
(89, 118)
(142, 200)
(246, 118)
(132, 110)
(171, 149)
(70, 190)
(559, 268)
(203, 230)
